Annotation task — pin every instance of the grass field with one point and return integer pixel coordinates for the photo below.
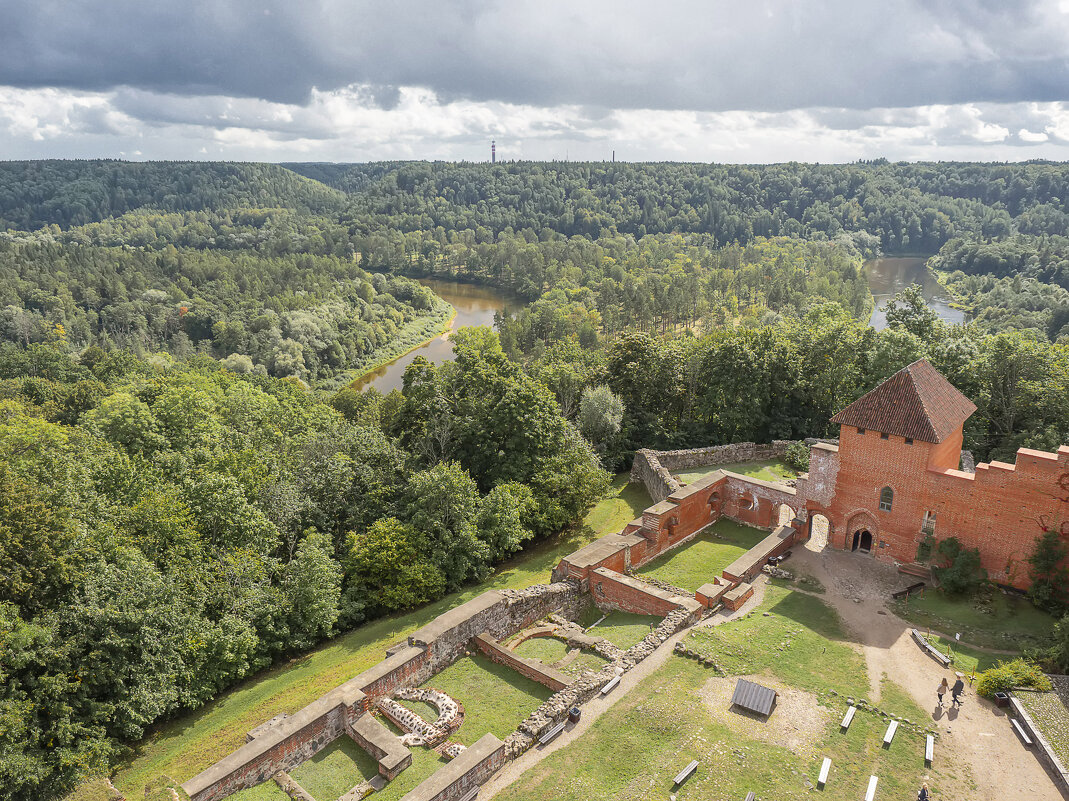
(966, 659)
(624, 629)
(1052, 718)
(1008, 621)
(704, 557)
(767, 470)
(547, 649)
(495, 697)
(190, 743)
(335, 770)
(669, 720)
(802, 642)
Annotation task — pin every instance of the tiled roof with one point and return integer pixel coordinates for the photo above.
(915, 402)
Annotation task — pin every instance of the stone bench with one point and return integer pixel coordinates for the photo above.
(822, 779)
(870, 794)
(848, 718)
(685, 774)
(929, 749)
(1017, 727)
(892, 727)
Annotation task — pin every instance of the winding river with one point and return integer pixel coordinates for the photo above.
(889, 276)
(475, 305)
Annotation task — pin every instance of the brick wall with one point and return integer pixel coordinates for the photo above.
(529, 668)
(655, 468)
(470, 769)
(621, 592)
(995, 509)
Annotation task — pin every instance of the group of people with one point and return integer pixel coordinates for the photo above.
(955, 691)
(955, 700)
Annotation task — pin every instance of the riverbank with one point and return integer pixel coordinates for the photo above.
(413, 336)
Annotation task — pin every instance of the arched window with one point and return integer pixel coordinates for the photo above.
(887, 497)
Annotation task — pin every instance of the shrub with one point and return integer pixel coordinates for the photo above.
(797, 456)
(1007, 675)
(1048, 574)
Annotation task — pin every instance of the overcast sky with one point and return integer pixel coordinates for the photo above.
(694, 80)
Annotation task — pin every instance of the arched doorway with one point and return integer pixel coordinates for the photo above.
(819, 531)
(862, 541)
(782, 515)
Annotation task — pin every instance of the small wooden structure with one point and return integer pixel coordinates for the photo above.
(908, 591)
(848, 718)
(1017, 727)
(870, 794)
(892, 727)
(685, 774)
(754, 697)
(471, 795)
(552, 734)
(930, 649)
(822, 779)
(750, 796)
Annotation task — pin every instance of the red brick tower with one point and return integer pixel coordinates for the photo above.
(894, 479)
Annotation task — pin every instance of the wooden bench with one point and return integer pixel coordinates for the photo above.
(848, 718)
(470, 795)
(551, 734)
(929, 749)
(932, 651)
(822, 779)
(870, 794)
(685, 774)
(610, 685)
(1017, 727)
(750, 796)
(890, 735)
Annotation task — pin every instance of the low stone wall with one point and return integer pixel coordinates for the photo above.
(529, 668)
(470, 769)
(1045, 751)
(748, 566)
(381, 743)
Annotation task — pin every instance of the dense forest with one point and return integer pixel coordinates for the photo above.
(191, 491)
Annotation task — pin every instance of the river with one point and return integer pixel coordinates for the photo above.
(889, 276)
(475, 305)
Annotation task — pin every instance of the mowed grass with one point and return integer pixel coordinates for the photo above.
(635, 748)
(767, 470)
(1050, 714)
(624, 629)
(704, 557)
(335, 770)
(546, 649)
(1009, 622)
(802, 642)
(495, 697)
(190, 743)
(965, 659)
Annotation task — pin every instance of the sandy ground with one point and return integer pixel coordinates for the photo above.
(978, 737)
(980, 756)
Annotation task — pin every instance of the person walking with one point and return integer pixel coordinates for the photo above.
(942, 690)
(924, 795)
(957, 690)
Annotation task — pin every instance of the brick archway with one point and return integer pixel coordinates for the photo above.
(862, 532)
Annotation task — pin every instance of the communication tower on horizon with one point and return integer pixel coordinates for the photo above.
(493, 152)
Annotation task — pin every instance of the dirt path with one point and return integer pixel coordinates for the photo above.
(978, 736)
(598, 705)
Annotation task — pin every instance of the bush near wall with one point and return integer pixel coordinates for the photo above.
(1007, 675)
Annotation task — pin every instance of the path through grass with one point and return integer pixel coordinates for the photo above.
(183, 747)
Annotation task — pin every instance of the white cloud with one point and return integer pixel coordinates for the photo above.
(347, 125)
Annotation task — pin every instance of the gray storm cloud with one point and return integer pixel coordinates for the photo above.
(703, 56)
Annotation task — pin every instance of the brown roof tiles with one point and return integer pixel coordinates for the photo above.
(915, 402)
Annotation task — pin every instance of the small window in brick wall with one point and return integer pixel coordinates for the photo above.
(746, 502)
(909, 440)
(887, 497)
(861, 431)
(885, 436)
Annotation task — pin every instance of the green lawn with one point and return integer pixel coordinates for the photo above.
(1008, 621)
(335, 770)
(624, 629)
(546, 649)
(966, 659)
(704, 557)
(585, 661)
(802, 642)
(767, 470)
(1050, 714)
(635, 748)
(496, 698)
(190, 743)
